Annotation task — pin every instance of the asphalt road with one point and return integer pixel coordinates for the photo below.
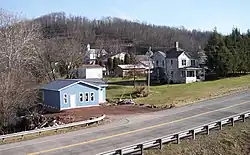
(132, 129)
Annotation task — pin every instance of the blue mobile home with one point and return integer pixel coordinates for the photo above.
(74, 93)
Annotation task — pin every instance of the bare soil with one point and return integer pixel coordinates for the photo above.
(80, 114)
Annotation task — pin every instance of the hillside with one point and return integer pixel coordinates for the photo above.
(114, 31)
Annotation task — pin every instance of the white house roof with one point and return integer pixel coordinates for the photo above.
(130, 66)
(162, 53)
(148, 64)
(91, 66)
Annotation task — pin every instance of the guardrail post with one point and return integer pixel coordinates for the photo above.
(193, 134)
(243, 117)
(207, 129)
(119, 152)
(160, 143)
(141, 148)
(232, 121)
(178, 138)
(220, 125)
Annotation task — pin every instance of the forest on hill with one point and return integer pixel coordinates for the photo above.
(109, 31)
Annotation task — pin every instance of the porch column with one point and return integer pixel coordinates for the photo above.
(194, 73)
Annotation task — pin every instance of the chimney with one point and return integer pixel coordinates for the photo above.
(176, 44)
(88, 47)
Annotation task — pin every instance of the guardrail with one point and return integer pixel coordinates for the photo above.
(158, 142)
(39, 131)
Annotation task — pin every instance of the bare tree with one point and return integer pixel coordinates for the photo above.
(71, 55)
(18, 58)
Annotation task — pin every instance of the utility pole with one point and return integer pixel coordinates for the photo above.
(148, 75)
(149, 54)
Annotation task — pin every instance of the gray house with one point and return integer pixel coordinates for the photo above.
(177, 66)
(73, 93)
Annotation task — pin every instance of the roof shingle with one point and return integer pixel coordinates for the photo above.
(59, 84)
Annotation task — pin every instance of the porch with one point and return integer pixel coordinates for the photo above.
(189, 74)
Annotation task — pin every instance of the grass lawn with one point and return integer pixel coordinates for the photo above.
(229, 141)
(179, 94)
(117, 79)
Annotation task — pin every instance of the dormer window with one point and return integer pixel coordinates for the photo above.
(171, 61)
(184, 62)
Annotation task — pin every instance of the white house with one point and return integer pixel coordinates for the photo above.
(91, 55)
(120, 56)
(88, 72)
(129, 69)
(176, 66)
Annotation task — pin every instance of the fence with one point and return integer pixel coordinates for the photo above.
(158, 142)
(39, 131)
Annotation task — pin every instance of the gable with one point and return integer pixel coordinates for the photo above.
(159, 53)
(174, 53)
(84, 85)
(183, 55)
(81, 83)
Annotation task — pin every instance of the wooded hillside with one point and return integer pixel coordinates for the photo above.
(108, 31)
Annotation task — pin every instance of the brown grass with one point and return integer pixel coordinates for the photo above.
(229, 141)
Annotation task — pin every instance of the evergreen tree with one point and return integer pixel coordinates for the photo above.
(110, 64)
(115, 62)
(132, 59)
(219, 57)
(127, 59)
(228, 54)
(119, 62)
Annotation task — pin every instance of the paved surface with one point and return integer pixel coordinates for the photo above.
(132, 129)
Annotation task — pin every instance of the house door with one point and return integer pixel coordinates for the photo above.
(100, 95)
(72, 101)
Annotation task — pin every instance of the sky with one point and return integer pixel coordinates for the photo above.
(192, 14)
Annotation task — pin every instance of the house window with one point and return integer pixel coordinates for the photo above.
(183, 62)
(157, 63)
(162, 63)
(192, 62)
(65, 98)
(183, 73)
(171, 61)
(92, 97)
(86, 97)
(190, 73)
(81, 97)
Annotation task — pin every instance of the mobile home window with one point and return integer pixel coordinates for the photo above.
(81, 97)
(91, 96)
(86, 97)
(65, 98)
